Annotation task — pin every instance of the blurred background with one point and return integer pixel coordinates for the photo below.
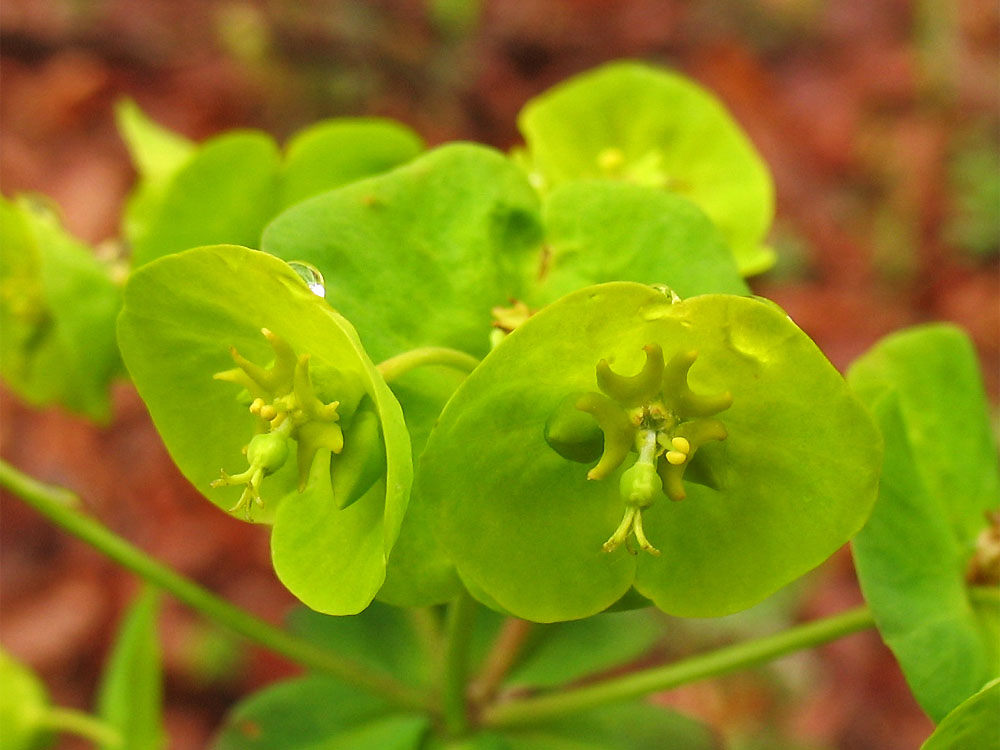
(879, 119)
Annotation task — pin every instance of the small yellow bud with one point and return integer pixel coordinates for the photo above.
(681, 444)
(676, 457)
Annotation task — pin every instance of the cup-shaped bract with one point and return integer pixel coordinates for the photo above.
(243, 176)
(301, 374)
(794, 471)
(637, 123)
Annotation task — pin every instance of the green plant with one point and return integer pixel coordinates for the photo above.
(471, 392)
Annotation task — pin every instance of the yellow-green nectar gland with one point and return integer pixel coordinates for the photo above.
(655, 414)
(287, 408)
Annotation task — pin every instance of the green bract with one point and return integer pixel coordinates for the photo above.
(793, 480)
(423, 254)
(300, 375)
(939, 483)
(419, 255)
(243, 177)
(57, 309)
(641, 124)
(598, 231)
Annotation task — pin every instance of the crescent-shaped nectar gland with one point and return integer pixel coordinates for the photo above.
(653, 413)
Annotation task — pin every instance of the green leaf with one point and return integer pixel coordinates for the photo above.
(57, 310)
(794, 480)
(130, 694)
(562, 652)
(225, 193)
(934, 370)
(598, 231)
(939, 476)
(335, 152)
(630, 726)
(156, 152)
(460, 219)
(314, 712)
(182, 314)
(646, 125)
(974, 723)
(559, 653)
(381, 636)
(24, 704)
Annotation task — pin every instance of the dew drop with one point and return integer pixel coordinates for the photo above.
(667, 292)
(311, 276)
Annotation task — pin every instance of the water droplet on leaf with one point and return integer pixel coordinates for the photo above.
(311, 276)
(667, 292)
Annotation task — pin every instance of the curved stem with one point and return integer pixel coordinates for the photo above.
(720, 662)
(82, 724)
(53, 502)
(502, 657)
(395, 367)
(454, 701)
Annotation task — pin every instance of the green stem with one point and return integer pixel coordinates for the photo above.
(52, 503)
(427, 628)
(720, 662)
(454, 701)
(395, 367)
(81, 724)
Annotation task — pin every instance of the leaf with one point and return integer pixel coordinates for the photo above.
(157, 154)
(460, 219)
(934, 370)
(650, 126)
(314, 712)
(131, 690)
(381, 636)
(559, 653)
(24, 704)
(939, 477)
(796, 476)
(566, 651)
(225, 193)
(974, 723)
(598, 231)
(156, 151)
(57, 310)
(182, 314)
(335, 152)
(629, 726)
